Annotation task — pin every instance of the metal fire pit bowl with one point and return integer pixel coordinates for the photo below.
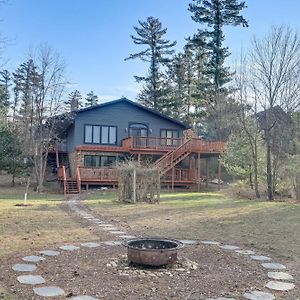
(152, 252)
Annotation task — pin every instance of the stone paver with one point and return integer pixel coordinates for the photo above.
(127, 236)
(33, 258)
(118, 232)
(49, 252)
(105, 225)
(258, 295)
(108, 228)
(274, 266)
(31, 279)
(188, 242)
(210, 243)
(280, 276)
(83, 297)
(90, 245)
(280, 286)
(260, 257)
(245, 252)
(220, 298)
(112, 243)
(69, 247)
(49, 291)
(24, 267)
(230, 247)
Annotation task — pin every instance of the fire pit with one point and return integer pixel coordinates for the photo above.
(152, 252)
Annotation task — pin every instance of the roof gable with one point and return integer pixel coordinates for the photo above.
(132, 103)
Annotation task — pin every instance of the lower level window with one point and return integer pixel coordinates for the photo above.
(169, 137)
(99, 160)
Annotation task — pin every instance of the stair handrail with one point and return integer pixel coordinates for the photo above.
(172, 155)
(78, 179)
(64, 179)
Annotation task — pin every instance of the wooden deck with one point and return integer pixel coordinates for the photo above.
(172, 152)
(156, 145)
(109, 176)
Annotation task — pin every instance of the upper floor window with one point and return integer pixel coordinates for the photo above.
(96, 134)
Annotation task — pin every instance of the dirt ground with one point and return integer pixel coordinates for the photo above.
(199, 217)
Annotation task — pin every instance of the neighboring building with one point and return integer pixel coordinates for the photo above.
(93, 139)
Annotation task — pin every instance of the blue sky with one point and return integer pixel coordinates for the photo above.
(93, 36)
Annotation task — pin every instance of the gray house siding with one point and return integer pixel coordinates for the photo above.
(71, 138)
(120, 115)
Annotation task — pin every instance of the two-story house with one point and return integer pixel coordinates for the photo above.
(98, 136)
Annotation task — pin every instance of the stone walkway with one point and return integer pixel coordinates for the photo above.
(280, 281)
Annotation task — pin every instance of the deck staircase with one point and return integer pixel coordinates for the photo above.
(71, 186)
(173, 157)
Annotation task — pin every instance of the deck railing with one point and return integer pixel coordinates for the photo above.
(78, 179)
(181, 175)
(111, 175)
(62, 176)
(149, 142)
(158, 143)
(97, 173)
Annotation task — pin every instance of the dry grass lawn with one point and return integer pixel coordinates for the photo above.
(40, 225)
(270, 228)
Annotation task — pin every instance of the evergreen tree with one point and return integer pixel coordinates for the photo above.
(157, 53)
(26, 80)
(5, 79)
(91, 99)
(216, 14)
(74, 101)
(11, 156)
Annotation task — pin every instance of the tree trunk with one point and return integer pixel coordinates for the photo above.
(13, 180)
(269, 169)
(255, 166)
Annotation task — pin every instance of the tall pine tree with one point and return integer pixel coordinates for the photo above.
(74, 101)
(157, 53)
(5, 83)
(26, 80)
(91, 99)
(216, 14)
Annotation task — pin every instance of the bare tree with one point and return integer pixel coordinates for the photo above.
(46, 103)
(275, 63)
(246, 94)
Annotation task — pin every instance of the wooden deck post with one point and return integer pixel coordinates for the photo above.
(57, 155)
(173, 175)
(199, 173)
(207, 171)
(219, 174)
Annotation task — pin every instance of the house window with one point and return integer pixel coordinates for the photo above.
(96, 134)
(91, 161)
(109, 135)
(138, 129)
(99, 160)
(88, 134)
(169, 137)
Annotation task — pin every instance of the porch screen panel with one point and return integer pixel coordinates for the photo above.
(88, 134)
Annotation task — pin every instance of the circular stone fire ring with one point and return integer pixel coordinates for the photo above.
(152, 251)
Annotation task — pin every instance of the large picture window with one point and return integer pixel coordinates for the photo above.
(100, 134)
(169, 137)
